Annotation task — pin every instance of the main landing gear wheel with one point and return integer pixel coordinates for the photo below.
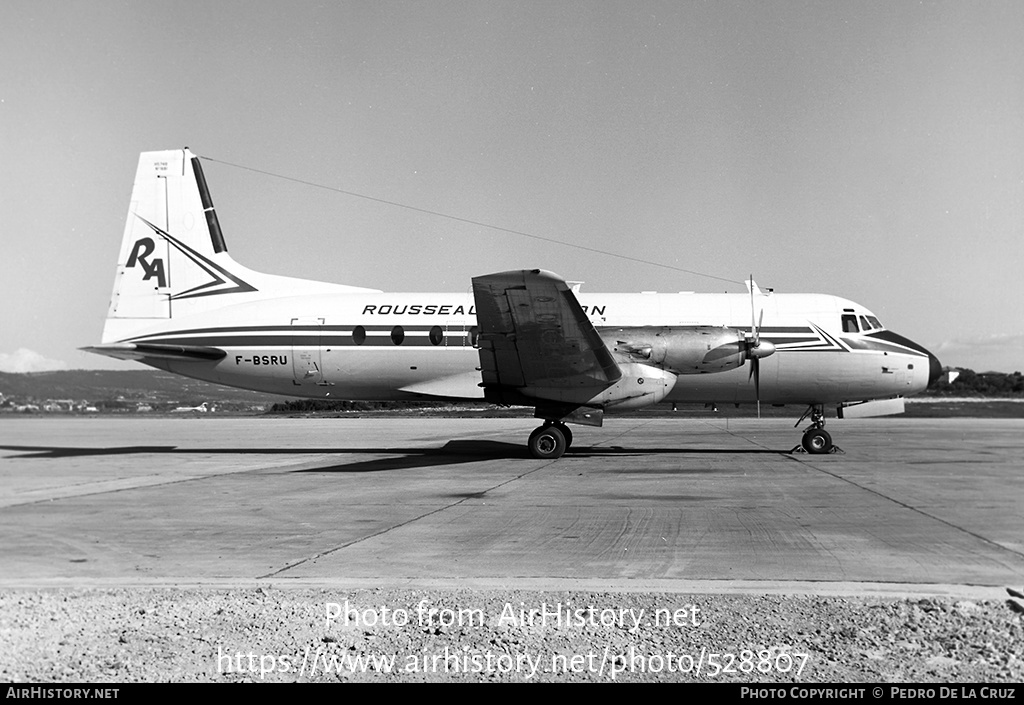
(817, 441)
(566, 431)
(548, 442)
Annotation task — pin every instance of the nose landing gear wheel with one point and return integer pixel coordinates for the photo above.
(547, 443)
(817, 441)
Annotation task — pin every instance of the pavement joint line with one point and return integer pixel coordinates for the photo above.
(129, 488)
(748, 440)
(628, 431)
(389, 529)
(807, 463)
(655, 442)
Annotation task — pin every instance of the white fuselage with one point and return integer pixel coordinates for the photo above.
(391, 346)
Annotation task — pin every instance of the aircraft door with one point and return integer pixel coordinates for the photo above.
(468, 327)
(307, 364)
(462, 332)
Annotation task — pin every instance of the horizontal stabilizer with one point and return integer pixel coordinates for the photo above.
(140, 351)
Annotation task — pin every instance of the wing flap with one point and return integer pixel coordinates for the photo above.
(536, 339)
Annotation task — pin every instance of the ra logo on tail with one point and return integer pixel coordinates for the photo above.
(141, 252)
(220, 280)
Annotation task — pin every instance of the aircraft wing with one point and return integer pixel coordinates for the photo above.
(535, 339)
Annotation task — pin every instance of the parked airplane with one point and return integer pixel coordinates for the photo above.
(201, 409)
(182, 304)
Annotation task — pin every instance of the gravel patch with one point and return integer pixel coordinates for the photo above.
(285, 635)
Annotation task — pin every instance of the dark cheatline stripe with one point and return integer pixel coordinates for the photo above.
(281, 341)
(891, 337)
(772, 330)
(790, 341)
(287, 330)
(284, 330)
(879, 345)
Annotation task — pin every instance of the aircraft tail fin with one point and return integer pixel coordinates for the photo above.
(173, 252)
(174, 261)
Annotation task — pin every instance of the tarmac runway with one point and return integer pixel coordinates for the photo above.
(919, 506)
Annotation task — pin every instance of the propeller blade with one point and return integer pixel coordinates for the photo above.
(753, 327)
(755, 372)
(755, 335)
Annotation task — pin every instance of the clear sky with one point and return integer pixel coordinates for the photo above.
(873, 150)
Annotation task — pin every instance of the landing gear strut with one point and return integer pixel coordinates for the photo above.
(816, 440)
(550, 441)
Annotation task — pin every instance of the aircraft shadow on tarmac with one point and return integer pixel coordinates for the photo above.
(66, 452)
(453, 452)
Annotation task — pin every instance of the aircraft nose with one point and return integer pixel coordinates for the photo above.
(934, 369)
(934, 366)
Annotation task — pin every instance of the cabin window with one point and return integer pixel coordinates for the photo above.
(359, 335)
(436, 335)
(397, 335)
(850, 324)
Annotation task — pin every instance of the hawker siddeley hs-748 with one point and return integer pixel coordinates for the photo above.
(182, 304)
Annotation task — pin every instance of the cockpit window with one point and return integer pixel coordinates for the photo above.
(874, 322)
(850, 324)
(864, 325)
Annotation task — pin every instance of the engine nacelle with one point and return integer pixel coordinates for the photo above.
(678, 349)
(640, 386)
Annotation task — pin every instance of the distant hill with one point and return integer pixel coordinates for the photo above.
(130, 385)
(968, 383)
